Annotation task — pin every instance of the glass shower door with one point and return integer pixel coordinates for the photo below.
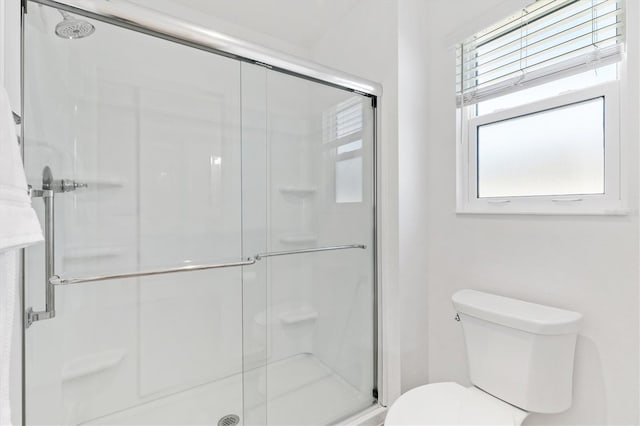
(308, 173)
(147, 155)
(141, 141)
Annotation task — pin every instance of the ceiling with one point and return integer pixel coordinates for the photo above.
(300, 22)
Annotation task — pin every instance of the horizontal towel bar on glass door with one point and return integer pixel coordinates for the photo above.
(310, 250)
(57, 280)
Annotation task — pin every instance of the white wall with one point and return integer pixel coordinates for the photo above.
(413, 127)
(183, 11)
(587, 264)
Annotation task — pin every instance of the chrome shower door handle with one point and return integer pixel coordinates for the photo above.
(47, 194)
(49, 312)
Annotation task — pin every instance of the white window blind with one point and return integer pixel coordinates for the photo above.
(545, 41)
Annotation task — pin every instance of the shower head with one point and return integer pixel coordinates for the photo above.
(72, 27)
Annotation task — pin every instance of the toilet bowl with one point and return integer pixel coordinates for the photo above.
(450, 403)
(520, 359)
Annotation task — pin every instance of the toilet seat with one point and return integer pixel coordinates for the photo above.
(450, 403)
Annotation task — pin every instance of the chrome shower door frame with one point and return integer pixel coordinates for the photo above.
(126, 15)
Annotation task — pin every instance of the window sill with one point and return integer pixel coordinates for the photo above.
(514, 210)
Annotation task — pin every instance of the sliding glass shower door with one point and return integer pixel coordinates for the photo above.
(308, 200)
(149, 133)
(210, 232)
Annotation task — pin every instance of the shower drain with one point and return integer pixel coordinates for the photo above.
(229, 420)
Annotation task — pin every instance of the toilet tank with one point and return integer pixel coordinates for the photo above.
(518, 351)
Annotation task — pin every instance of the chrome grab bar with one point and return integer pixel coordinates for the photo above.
(57, 280)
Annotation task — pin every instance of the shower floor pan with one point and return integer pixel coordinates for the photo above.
(303, 391)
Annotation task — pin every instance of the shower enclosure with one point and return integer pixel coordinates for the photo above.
(210, 253)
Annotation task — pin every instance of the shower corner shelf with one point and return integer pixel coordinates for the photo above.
(301, 238)
(298, 191)
(92, 364)
(81, 253)
(288, 317)
(298, 316)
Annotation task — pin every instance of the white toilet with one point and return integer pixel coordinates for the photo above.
(520, 358)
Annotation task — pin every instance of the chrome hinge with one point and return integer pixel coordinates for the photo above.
(39, 193)
(32, 316)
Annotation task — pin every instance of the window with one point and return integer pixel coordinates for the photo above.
(343, 131)
(539, 112)
(569, 161)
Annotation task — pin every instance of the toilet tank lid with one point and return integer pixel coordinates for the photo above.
(518, 314)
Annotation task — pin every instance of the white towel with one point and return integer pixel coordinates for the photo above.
(19, 227)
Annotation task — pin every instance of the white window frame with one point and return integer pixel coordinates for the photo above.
(609, 203)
